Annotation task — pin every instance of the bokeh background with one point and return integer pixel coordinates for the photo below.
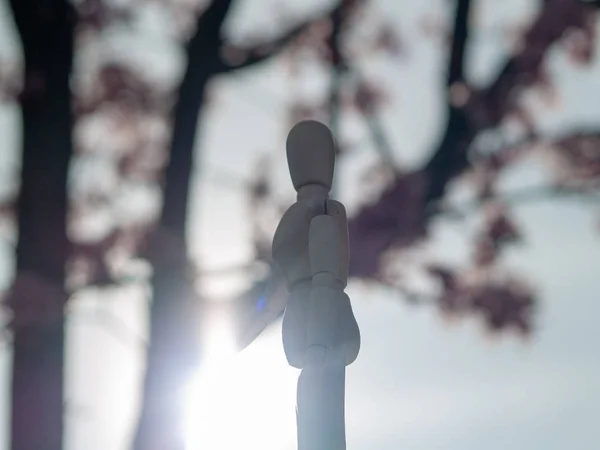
(426, 377)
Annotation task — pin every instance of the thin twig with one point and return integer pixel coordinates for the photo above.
(380, 140)
(252, 55)
(114, 324)
(518, 197)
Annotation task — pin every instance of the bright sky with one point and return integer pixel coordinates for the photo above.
(419, 383)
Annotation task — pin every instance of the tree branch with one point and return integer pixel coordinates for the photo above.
(338, 72)
(380, 139)
(235, 57)
(389, 221)
(338, 69)
(519, 197)
(116, 326)
(459, 42)
(450, 157)
(212, 19)
(488, 107)
(579, 133)
(377, 133)
(411, 297)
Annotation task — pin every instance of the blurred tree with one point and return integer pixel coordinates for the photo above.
(383, 228)
(173, 344)
(37, 297)
(398, 219)
(125, 146)
(113, 99)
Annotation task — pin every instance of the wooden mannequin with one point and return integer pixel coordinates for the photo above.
(320, 333)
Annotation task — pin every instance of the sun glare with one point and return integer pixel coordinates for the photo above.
(241, 400)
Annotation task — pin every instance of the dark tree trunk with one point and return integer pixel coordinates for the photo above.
(175, 310)
(46, 31)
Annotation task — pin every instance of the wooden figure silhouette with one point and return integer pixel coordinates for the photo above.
(310, 246)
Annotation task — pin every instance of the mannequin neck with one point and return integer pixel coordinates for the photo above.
(312, 191)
